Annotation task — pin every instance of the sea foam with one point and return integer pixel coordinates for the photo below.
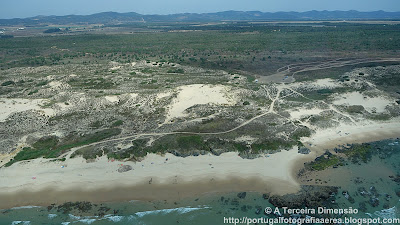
(181, 210)
(21, 222)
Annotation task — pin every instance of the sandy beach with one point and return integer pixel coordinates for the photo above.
(351, 134)
(44, 182)
(41, 182)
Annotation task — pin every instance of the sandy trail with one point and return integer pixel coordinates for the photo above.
(286, 74)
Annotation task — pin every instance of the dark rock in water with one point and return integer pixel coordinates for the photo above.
(308, 196)
(50, 207)
(398, 101)
(242, 195)
(351, 200)
(345, 194)
(258, 209)
(265, 196)
(362, 206)
(398, 193)
(124, 168)
(373, 191)
(358, 180)
(374, 202)
(396, 178)
(69, 206)
(235, 202)
(387, 197)
(363, 192)
(243, 208)
(104, 209)
(304, 150)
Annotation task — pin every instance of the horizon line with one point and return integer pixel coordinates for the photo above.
(168, 14)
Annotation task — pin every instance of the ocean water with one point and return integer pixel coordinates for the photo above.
(362, 184)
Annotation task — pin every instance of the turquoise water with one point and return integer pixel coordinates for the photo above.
(209, 209)
(212, 208)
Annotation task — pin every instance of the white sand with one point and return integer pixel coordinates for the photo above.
(40, 174)
(377, 104)
(194, 94)
(352, 133)
(163, 95)
(115, 67)
(246, 139)
(13, 105)
(327, 83)
(317, 84)
(112, 98)
(302, 112)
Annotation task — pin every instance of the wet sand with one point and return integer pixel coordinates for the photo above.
(43, 182)
(100, 193)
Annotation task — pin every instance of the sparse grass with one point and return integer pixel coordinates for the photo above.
(358, 109)
(191, 142)
(358, 152)
(325, 161)
(52, 147)
(271, 145)
(117, 123)
(175, 70)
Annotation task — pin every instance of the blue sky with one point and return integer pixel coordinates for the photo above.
(28, 8)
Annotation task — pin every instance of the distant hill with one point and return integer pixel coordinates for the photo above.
(117, 18)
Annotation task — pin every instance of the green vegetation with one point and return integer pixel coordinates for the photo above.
(52, 30)
(269, 145)
(358, 153)
(7, 83)
(244, 46)
(52, 147)
(176, 70)
(355, 109)
(194, 142)
(89, 153)
(325, 161)
(44, 147)
(117, 123)
(95, 83)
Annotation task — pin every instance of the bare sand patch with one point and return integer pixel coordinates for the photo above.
(55, 84)
(246, 138)
(163, 95)
(302, 112)
(195, 94)
(371, 104)
(112, 98)
(326, 83)
(13, 105)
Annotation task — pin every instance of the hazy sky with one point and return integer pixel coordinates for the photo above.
(28, 8)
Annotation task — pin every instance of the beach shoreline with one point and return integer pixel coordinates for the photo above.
(41, 182)
(168, 177)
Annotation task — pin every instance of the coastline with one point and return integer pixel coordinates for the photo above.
(44, 182)
(352, 134)
(40, 182)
